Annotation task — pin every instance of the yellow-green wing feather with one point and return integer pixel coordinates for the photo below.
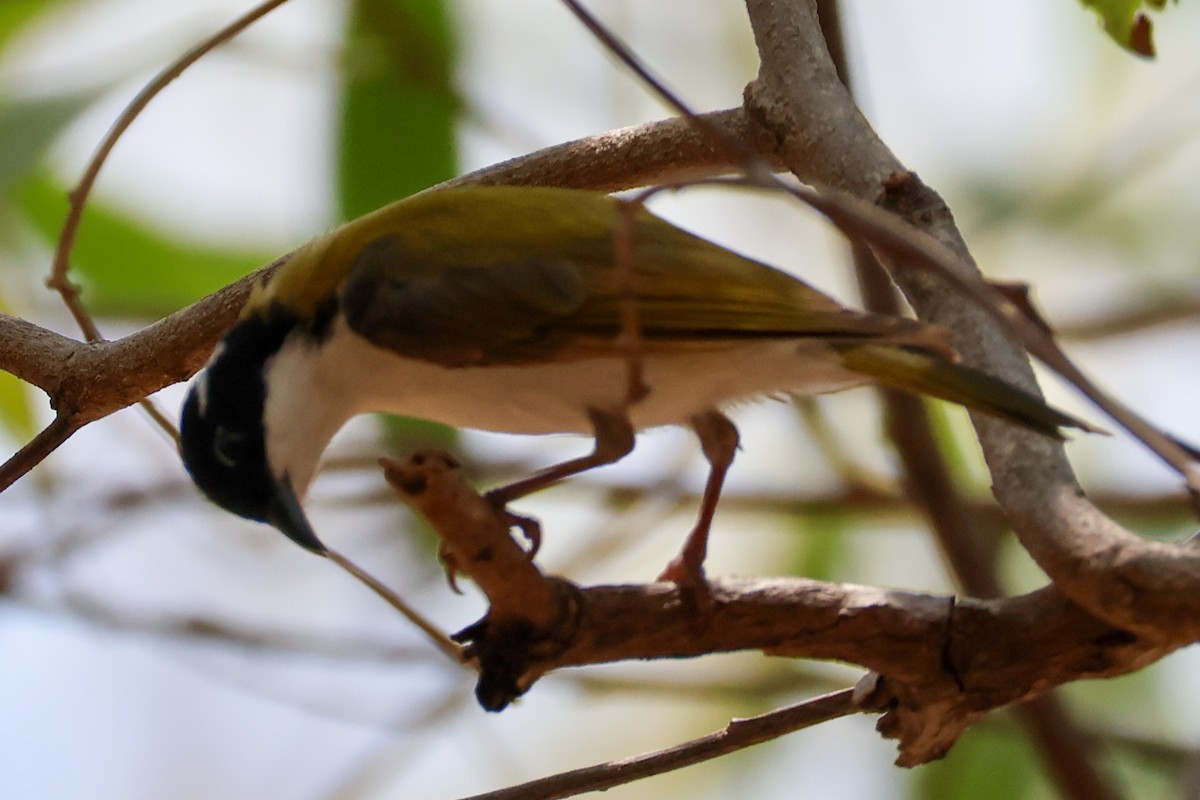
(486, 275)
(922, 373)
(490, 275)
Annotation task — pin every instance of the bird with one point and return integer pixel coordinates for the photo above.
(505, 308)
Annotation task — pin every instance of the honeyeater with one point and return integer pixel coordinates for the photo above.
(500, 308)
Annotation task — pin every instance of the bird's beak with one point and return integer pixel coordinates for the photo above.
(285, 513)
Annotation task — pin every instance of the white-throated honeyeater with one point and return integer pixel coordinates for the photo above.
(499, 308)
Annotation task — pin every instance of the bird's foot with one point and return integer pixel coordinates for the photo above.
(529, 527)
(688, 574)
(450, 566)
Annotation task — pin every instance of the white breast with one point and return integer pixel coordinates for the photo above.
(554, 398)
(347, 375)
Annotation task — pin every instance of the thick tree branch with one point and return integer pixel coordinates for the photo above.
(34, 354)
(944, 662)
(87, 381)
(810, 119)
(1065, 755)
(664, 152)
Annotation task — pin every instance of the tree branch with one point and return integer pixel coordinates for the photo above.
(35, 451)
(663, 152)
(1063, 752)
(926, 474)
(820, 134)
(944, 662)
(738, 735)
(34, 354)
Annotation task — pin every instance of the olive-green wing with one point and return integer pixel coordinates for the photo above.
(458, 315)
(689, 289)
(558, 296)
(923, 373)
(496, 275)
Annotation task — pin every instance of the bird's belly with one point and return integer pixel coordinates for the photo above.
(554, 397)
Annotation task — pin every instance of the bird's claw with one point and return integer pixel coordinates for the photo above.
(530, 528)
(688, 574)
(450, 565)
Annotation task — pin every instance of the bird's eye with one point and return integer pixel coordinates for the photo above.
(229, 446)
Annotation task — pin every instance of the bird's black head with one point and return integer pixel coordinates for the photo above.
(222, 437)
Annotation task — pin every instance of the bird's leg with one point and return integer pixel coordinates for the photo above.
(719, 441)
(614, 441)
(613, 432)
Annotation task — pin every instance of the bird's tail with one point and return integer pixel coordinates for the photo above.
(915, 370)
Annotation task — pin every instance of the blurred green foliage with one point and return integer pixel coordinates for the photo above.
(15, 15)
(29, 126)
(398, 103)
(128, 268)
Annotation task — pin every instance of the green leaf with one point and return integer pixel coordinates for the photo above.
(399, 103)
(1126, 23)
(16, 14)
(127, 268)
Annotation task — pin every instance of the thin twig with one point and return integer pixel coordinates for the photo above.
(737, 735)
(58, 279)
(438, 637)
(862, 499)
(160, 418)
(900, 243)
(230, 633)
(753, 165)
(1139, 316)
(36, 450)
